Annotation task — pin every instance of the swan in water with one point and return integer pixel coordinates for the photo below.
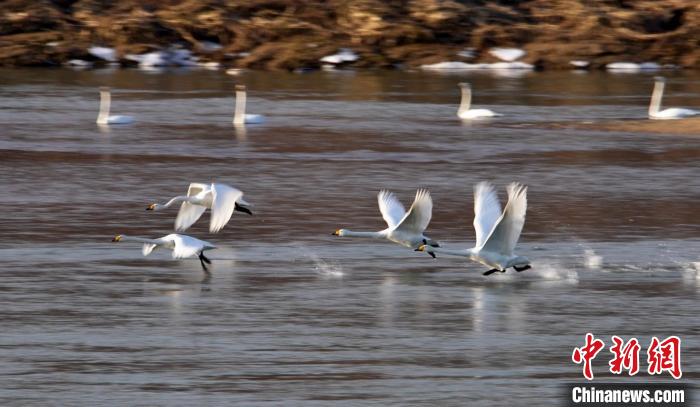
(103, 117)
(465, 112)
(496, 232)
(183, 246)
(239, 115)
(666, 114)
(220, 198)
(404, 228)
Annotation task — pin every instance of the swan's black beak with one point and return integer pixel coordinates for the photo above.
(240, 208)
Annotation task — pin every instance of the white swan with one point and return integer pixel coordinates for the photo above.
(220, 198)
(404, 228)
(496, 233)
(666, 114)
(183, 246)
(239, 115)
(103, 117)
(465, 112)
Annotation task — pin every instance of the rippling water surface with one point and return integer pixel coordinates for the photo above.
(294, 315)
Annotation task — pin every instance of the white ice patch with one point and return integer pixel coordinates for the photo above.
(105, 53)
(464, 66)
(344, 55)
(507, 54)
(632, 66)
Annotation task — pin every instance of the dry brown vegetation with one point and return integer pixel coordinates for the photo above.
(286, 34)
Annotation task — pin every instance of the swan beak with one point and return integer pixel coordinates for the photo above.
(151, 207)
(336, 233)
(420, 248)
(117, 238)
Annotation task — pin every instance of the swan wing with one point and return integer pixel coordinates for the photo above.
(185, 246)
(148, 248)
(390, 207)
(223, 203)
(418, 216)
(487, 210)
(195, 188)
(507, 231)
(189, 213)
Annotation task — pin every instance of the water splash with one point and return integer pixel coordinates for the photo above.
(321, 266)
(591, 260)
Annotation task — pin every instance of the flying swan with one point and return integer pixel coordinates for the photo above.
(666, 114)
(220, 198)
(403, 228)
(465, 112)
(103, 117)
(496, 232)
(183, 246)
(239, 115)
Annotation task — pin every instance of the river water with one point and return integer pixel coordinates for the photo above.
(292, 315)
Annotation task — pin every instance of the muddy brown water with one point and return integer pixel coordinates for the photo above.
(292, 315)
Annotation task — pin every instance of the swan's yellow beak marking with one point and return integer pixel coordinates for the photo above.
(421, 248)
(117, 238)
(336, 233)
(151, 207)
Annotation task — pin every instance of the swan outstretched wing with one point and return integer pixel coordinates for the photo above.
(189, 213)
(223, 203)
(487, 210)
(390, 207)
(507, 231)
(418, 216)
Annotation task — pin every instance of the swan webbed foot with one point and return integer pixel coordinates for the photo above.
(488, 273)
(432, 255)
(525, 267)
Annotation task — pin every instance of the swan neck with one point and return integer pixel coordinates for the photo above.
(105, 102)
(451, 252)
(656, 95)
(239, 110)
(139, 240)
(375, 235)
(466, 102)
(177, 199)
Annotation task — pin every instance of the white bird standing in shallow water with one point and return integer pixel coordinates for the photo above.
(405, 228)
(465, 112)
(666, 114)
(220, 198)
(183, 246)
(103, 117)
(239, 115)
(496, 233)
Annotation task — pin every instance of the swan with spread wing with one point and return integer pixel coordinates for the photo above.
(183, 246)
(497, 232)
(222, 199)
(404, 228)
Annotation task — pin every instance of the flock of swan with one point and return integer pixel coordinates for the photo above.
(497, 231)
(465, 112)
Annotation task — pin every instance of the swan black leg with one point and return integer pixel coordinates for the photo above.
(488, 273)
(519, 269)
(202, 260)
